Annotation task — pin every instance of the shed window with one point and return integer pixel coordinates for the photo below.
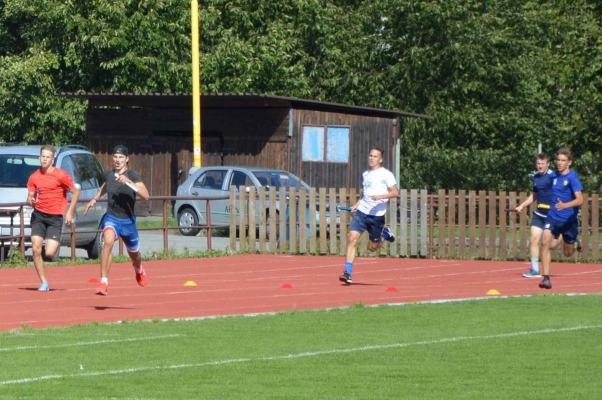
(325, 144)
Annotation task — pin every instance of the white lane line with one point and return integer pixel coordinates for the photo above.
(94, 343)
(294, 356)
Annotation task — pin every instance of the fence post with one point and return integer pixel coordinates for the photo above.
(344, 221)
(312, 226)
(442, 218)
(462, 223)
(502, 251)
(164, 227)
(233, 212)
(595, 204)
(492, 223)
(332, 200)
(431, 226)
(403, 222)
(451, 222)
(209, 233)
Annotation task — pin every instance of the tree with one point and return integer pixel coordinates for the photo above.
(499, 76)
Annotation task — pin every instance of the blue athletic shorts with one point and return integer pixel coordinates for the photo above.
(538, 221)
(568, 229)
(372, 223)
(124, 228)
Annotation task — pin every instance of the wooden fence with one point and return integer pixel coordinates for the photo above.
(462, 224)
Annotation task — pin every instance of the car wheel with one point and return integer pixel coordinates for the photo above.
(186, 218)
(95, 247)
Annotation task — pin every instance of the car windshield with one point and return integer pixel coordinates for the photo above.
(279, 179)
(16, 169)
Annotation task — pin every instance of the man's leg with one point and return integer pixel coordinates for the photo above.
(571, 243)
(135, 257)
(131, 239)
(568, 249)
(546, 258)
(356, 228)
(373, 246)
(106, 258)
(375, 227)
(352, 239)
(51, 247)
(38, 261)
(106, 255)
(137, 263)
(536, 233)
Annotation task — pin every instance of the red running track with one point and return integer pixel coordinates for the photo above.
(247, 284)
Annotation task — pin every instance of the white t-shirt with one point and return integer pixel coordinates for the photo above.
(376, 182)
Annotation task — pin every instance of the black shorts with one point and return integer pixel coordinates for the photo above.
(538, 221)
(47, 226)
(568, 229)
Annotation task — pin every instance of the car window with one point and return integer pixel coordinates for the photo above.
(212, 179)
(88, 170)
(15, 170)
(239, 178)
(279, 179)
(67, 165)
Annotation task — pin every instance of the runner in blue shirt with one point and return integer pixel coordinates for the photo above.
(562, 218)
(542, 194)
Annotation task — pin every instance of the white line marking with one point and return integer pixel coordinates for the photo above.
(295, 356)
(94, 343)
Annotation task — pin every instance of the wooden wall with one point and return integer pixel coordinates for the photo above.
(365, 131)
(160, 142)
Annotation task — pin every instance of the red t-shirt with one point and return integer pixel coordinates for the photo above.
(52, 190)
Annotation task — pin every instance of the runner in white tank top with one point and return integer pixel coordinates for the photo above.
(379, 186)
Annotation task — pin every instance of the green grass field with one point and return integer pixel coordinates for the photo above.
(500, 348)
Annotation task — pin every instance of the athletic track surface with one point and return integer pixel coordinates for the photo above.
(249, 284)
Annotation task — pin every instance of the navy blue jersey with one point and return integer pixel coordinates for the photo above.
(542, 185)
(564, 188)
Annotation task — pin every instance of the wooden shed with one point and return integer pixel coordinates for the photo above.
(325, 144)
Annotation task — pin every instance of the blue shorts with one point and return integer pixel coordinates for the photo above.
(568, 229)
(372, 223)
(124, 228)
(538, 221)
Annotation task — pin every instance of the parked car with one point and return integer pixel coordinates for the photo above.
(18, 162)
(216, 181)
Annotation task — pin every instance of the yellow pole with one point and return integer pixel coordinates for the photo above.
(196, 93)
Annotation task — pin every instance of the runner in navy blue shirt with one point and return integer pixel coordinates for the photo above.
(562, 218)
(542, 194)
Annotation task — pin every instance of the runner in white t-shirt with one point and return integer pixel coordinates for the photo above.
(379, 186)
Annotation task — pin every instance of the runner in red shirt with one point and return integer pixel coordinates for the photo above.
(48, 188)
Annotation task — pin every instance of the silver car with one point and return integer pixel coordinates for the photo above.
(17, 163)
(216, 182)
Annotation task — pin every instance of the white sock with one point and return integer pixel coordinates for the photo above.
(104, 280)
(535, 264)
(138, 269)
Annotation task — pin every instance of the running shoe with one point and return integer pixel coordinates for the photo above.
(345, 278)
(102, 289)
(532, 274)
(545, 283)
(44, 287)
(141, 277)
(391, 236)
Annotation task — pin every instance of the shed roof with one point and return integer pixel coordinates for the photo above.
(229, 100)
